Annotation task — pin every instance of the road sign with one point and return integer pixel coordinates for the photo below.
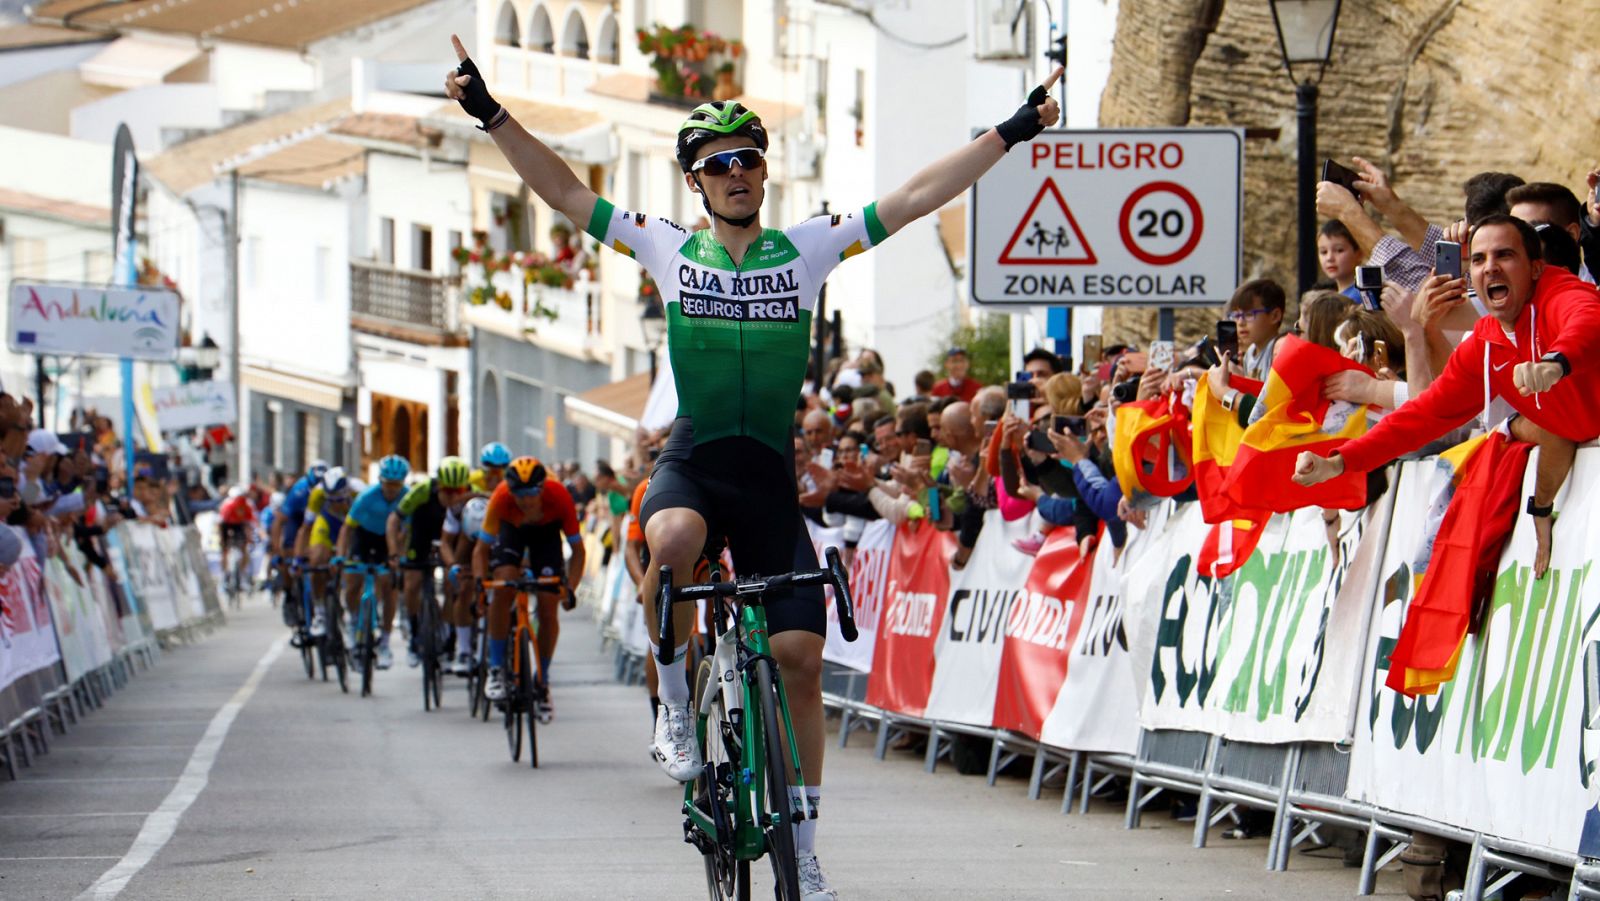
(1133, 216)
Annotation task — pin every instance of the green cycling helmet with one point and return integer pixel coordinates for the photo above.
(454, 473)
(717, 119)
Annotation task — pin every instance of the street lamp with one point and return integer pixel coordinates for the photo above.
(1305, 35)
(653, 322)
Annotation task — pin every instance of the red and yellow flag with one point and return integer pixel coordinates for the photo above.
(1235, 530)
(1298, 417)
(1151, 448)
(1487, 472)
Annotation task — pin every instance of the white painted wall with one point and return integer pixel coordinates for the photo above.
(151, 113)
(412, 191)
(56, 166)
(285, 320)
(244, 73)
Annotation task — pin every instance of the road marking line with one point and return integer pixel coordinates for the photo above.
(160, 825)
(61, 779)
(57, 816)
(62, 747)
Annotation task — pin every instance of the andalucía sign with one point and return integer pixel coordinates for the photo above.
(80, 320)
(1110, 217)
(194, 405)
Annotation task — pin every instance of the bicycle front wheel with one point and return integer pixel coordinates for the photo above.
(780, 834)
(525, 692)
(368, 643)
(428, 646)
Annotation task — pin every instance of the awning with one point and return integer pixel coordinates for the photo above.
(137, 62)
(311, 392)
(612, 409)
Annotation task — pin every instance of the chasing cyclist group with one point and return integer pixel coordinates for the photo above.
(502, 520)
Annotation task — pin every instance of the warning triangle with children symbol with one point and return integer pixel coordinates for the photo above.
(1048, 234)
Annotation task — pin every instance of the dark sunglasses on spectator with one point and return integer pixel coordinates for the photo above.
(8, 488)
(722, 163)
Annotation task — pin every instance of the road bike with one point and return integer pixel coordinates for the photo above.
(522, 665)
(331, 649)
(233, 577)
(364, 634)
(296, 613)
(738, 808)
(426, 640)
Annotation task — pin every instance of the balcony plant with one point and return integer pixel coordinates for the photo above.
(691, 66)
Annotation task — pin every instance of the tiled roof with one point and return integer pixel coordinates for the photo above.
(389, 127)
(194, 163)
(313, 163)
(83, 213)
(45, 103)
(277, 23)
(33, 37)
(539, 118)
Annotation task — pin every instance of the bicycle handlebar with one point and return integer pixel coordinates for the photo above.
(835, 574)
(535, 584)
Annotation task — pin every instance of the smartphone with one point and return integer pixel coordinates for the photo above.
(1039, 441)
(1161, 353)
(1380, 355)
(1369, 283)
(989, 429)
(1091, 350)
(924, 447)
(1072, 425)
(1019, 394)
(1228, 338)
(825, 458)
(1339, 175)
(1447, 258)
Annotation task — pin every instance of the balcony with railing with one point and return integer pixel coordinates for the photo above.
(420, 306)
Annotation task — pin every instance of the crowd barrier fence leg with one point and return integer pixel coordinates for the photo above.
(881, 750)
(937, 744)
(1282, 823)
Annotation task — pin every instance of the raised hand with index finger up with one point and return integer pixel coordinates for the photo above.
(465, 86)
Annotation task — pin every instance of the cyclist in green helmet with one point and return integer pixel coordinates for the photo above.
(738, 300)
(417, 523)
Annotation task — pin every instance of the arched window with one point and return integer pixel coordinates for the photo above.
(606, 49)
(507, 31)
(541, 36)
(575, 36)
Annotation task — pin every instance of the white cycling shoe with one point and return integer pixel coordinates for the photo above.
(494, 686)
(319, 625)
(813, 885)
(674, 745)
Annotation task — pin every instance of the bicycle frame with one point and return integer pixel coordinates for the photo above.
(737, 648)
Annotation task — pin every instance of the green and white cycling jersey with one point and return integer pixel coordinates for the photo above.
(738, 336)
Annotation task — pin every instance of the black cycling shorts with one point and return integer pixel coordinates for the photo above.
(540, 545)
(368, 547)
(745, 490)
(233, 533)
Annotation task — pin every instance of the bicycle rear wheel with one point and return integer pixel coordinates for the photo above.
(526, 691)
(515, 711)
(780, 836)
(368, 642)
(483, 672)
(337, 649)
(727, 879)
(428, 645)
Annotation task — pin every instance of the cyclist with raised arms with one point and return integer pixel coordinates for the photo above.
(365, 539)
(528, 516)
(738, 301)
(416, 523)
(327, 505)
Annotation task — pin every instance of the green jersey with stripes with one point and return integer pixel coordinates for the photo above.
(738, 336)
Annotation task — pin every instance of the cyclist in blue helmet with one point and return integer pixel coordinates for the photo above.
(292, 513)
(494, 458)
(364, 539)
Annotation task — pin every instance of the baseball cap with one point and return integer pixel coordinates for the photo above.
(44, 441)
(957, 351)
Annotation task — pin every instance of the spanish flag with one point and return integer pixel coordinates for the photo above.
(1235, 529)
(1486, 473)
(1151, 447)
(1298, 417)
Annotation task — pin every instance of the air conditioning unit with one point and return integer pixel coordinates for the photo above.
(1002, 29)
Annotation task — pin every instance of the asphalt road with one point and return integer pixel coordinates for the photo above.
(311, 794)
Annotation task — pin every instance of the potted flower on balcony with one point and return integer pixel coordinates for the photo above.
(687, 62)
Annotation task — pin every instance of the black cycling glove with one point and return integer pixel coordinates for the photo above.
(1024, 124)
(476, 100)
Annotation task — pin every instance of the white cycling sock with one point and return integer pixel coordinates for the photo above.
(670, 677)
(805, 832)
(463, 640)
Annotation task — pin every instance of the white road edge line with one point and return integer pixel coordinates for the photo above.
(163, 821)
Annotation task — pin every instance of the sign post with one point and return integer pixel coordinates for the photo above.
(1147, 217)
(124, 197)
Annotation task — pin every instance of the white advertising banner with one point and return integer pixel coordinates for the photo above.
(1144, 216)
(869, 585)
(194, 405)
(1097, 708)
(971, 640)
(1271, 653)
(93, 321)
(84, 624)
(27, 636)
(1510, 746)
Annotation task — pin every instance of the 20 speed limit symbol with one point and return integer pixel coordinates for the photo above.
(1161, 223)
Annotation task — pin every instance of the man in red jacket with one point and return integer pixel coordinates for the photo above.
(1538, 349)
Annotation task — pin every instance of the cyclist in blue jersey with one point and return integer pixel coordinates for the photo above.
(292, 513)
(364, 539)
(738, 300)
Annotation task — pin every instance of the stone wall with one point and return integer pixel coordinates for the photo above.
(1432, 91)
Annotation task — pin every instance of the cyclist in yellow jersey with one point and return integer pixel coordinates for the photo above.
(327, 507)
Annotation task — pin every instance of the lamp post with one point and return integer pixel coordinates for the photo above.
(653, 323)
(1305, 36)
